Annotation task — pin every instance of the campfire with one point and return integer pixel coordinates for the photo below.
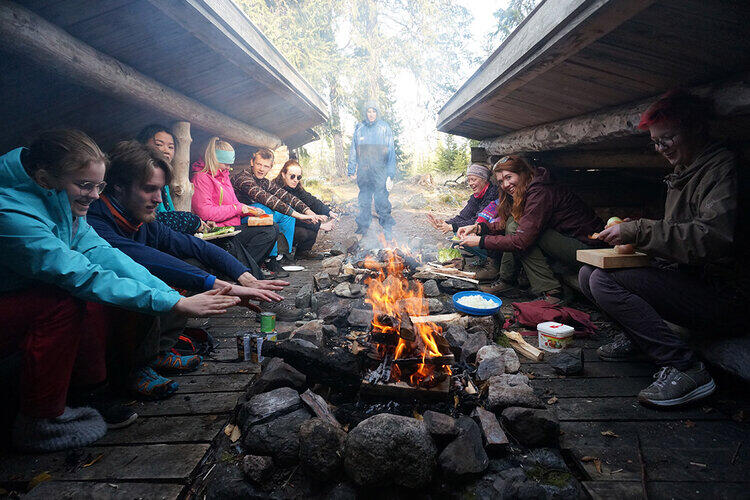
(409, 351)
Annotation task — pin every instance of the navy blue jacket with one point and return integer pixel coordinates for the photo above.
(159, 249)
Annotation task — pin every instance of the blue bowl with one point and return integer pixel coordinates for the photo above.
(472, 310)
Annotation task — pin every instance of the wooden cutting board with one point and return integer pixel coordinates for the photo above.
(606, 258)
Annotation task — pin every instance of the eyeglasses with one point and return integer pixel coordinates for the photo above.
(294, 176)
(664, 142)
(88, 187)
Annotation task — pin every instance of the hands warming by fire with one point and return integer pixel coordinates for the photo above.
(468, 235)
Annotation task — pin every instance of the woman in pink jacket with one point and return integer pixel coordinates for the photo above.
(214, 198)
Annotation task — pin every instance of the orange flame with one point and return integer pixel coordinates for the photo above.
(391, 296)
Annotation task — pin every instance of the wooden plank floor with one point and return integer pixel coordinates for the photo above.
(154, 458)
(695, 452)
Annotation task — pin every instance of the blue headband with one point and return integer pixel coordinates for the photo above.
(225, 157)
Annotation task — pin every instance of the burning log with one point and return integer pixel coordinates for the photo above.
(437, 318)
(336, 368)
(446, 360)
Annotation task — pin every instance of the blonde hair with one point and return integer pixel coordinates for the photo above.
(209, 157)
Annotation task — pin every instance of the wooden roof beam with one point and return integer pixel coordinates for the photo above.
(32, 37)
(549, 35)
(730, 97)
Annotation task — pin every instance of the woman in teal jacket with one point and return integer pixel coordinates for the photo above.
(57, 274)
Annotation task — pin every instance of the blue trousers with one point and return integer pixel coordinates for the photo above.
(372, 189)
(286, 226)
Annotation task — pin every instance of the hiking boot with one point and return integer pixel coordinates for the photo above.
(309, 255)
(275, 270)
(497, 287)
(674, 388)
(147, 384)
(171, 362)
(620, 349)
(489, 271)
(554, 297)
(114, 413)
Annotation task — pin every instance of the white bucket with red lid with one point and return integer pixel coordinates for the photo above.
(553, 336)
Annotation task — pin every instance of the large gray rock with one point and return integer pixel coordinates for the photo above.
(441, 427)
(464, 457)
(257, 469)
(321, 298)
(512, 363)
(510, 379)
(277, 374)
(332, 265)
(532, 427)
(456, 335)
(431, 288)
(321, 448)
(360, 318)
(567, 361)
(349, 290)
(322, 280)
(226, 482)
(268, 406)
(278, 438)
(489, 351)
(500, 396)
(335, 311)
(303, 297)
(312, 331)
(489, 368)
(389, 449)
(470, 348)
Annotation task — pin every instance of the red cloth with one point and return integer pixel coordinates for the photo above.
(539, 311)
(63, 340)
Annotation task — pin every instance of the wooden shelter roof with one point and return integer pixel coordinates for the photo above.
(205, 50)
(574, 57)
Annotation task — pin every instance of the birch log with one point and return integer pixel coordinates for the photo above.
(181, 187)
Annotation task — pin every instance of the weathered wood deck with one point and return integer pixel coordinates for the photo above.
(696, 452)
(690, 453)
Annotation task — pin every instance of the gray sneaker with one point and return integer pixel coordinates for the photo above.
(620, 349)
(673, 387)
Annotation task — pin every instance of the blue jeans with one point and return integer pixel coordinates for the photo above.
(286, 226)
(479, 252)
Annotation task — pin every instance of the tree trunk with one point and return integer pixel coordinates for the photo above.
(181, 187)
(339, 154)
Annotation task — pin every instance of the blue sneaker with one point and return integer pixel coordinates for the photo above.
(171, 362)
(148, 384)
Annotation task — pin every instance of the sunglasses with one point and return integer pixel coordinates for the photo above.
(295, 176)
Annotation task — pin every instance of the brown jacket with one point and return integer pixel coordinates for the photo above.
(251, 190)
(700, 215)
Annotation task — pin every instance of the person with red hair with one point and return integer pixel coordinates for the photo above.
(543, 222)
(697, 279)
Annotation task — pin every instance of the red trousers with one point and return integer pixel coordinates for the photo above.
(63, 340)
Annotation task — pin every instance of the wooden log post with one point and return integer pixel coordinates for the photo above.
(730, 97)
(181, 187)
(25, 33)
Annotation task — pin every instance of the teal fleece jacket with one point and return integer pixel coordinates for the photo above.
(37, 244)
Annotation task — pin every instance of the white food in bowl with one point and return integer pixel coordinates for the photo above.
(476, 302)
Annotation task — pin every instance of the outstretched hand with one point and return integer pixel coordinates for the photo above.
(612, 235)
(208, 303)
(471, 240)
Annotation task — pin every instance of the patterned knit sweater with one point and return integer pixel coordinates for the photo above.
(251, 190)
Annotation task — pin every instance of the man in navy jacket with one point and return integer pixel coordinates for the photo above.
(125, 216)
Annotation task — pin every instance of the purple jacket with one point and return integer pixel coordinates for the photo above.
(548, 206)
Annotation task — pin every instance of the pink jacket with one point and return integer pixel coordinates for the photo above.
(214, 199)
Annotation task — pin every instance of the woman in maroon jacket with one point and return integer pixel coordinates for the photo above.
(545, 224)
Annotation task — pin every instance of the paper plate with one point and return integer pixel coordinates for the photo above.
(291, 269)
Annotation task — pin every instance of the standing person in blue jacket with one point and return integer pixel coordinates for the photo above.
(57, 275)
(125, 216)
(373, 159)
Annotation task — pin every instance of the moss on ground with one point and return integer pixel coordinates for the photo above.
(552, 477)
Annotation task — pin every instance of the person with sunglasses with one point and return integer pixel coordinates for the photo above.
(59, 277)
(305, 233)
(698, 280)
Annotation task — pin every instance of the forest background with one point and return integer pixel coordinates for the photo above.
(410, 56)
